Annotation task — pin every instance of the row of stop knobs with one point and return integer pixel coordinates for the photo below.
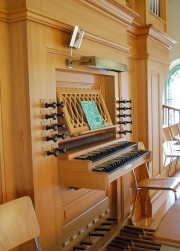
(54, 127)
(124, 108)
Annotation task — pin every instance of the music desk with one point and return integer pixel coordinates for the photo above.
(168, 232)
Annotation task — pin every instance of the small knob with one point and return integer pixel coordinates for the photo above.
(55, 126)
(125, 108)
(123, 123)
(56, 151)
(122, 132)
(63, 135)
(56, 137)
(125, 101)
(129, 122)
(129, 131)
(62, 125)
(62, 115)
(54, 104)
(124, 115)
(55, 115)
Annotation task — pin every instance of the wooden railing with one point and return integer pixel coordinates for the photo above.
(171, 115)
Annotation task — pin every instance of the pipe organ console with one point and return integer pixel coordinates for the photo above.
(90, 159)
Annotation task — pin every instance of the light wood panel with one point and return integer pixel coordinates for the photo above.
(6, 109)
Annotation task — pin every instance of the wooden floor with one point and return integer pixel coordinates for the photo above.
(154, 221)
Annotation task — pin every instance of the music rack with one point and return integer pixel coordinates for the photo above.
(75, 118)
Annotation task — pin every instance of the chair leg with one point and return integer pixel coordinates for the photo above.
(175, 195)
(135, 199)
(136, 195)
(164, 164)
(37, 244)
(176, 164)
(170, 166)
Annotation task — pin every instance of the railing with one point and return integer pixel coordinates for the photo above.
(171, 115)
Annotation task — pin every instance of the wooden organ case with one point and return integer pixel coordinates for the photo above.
(70, 198)
(92, 163)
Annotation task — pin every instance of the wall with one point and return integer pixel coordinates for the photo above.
(173, 12)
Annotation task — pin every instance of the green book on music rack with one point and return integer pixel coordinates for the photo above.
(92, 114)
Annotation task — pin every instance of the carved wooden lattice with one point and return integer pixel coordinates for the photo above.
(74, 115)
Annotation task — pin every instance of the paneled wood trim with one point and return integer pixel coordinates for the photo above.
(2, 165)
(29, 15)
(151, 31)
(110, 8)
(106, 42)
(97, 39)
(116, 10)
(137, 30)
(147, 57)
(3, 16)
(161, 37)
(157, 60)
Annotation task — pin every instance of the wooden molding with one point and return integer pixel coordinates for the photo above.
(139, 31)
(106, 42)
(159, 61)
(3, 16)
(152, 32)
(30, 15)
(161, 37)
(109, 8)
(113, 8)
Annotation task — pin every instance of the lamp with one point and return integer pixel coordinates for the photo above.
(102, 64)
(75, 42)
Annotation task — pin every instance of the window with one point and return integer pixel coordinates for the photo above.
(154, 6)
(173, 88)
(172, 93)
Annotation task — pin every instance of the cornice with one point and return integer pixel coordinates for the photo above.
(50, 22)
(159, 61)
(149, 31)
(112, 9)
(109, 8)
(161, 37)
(139, 31)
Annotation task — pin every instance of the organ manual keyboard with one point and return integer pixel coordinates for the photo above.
(96, 166)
